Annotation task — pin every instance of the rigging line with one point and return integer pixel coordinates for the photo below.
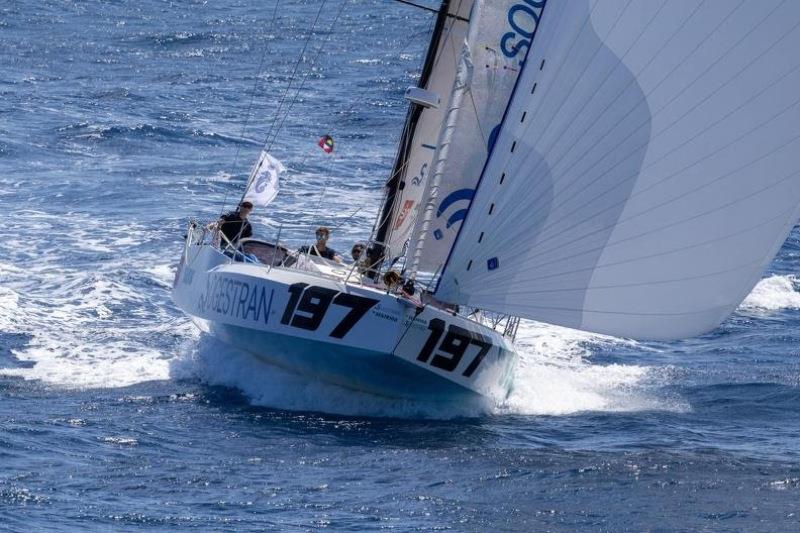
(379, 220)
(434, 47)
(382, 232)
(475, 105)
(305, 76)
(429, 195)
(431, 10)
(417, 311)
(294, 99)
(316, 209)
(446, 37)
(358, 98)
(399, 171)
(294, 71)
(456, 65)
(252, 95)
(343, 222)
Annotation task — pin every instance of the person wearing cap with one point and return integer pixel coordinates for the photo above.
(234, 224)
(321, 248)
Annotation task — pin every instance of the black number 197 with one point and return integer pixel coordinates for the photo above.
(454, 346)
(307, 307)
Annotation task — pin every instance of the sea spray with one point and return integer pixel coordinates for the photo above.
(774, 293)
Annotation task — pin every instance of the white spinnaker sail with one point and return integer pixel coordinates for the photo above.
(498, 31)
(414, 171)
(647, 171)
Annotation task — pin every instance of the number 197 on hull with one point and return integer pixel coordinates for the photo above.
(453, 347)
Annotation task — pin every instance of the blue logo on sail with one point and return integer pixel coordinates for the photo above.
(458, 215)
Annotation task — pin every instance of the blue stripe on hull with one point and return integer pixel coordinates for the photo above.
(374, 372)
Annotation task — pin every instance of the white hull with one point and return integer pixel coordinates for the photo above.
(347, 334)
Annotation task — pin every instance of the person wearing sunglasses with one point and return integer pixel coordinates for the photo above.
(321, 248)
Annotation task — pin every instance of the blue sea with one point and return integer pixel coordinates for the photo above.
(120, 120)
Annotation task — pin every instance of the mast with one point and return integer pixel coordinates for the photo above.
(394, 183)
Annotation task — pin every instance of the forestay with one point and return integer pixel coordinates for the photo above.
(412, 168)
(491, 63)
(647, 171)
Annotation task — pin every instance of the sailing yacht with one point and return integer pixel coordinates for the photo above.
(626, 168)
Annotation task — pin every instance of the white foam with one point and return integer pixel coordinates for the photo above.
(92, 329)
(774, 293)
(9, 303)
(88, 365)
(555, 376)
(78, 337)
(162, 274)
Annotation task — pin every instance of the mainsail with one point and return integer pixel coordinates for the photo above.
(418, 143)
(647, 169)
(490, 64)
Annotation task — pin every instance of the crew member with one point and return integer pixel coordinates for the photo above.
(234, 225)
(321, 248)
(356, 251)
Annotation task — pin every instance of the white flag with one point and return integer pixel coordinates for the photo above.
(264, 180)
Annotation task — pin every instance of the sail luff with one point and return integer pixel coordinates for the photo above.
(415, 162)
(498, 35)
(442, 151)
(385, 219)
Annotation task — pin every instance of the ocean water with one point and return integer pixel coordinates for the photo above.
(121, 120)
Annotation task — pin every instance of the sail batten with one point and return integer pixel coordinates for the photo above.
(646, 173)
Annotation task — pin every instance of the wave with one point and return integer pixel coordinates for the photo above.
(773, 293)
(82, 329)
(177, 38)
(217, 364)
(94, 132)
(81, 339)
(556, 376)
(119, 93)
(114, 328)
